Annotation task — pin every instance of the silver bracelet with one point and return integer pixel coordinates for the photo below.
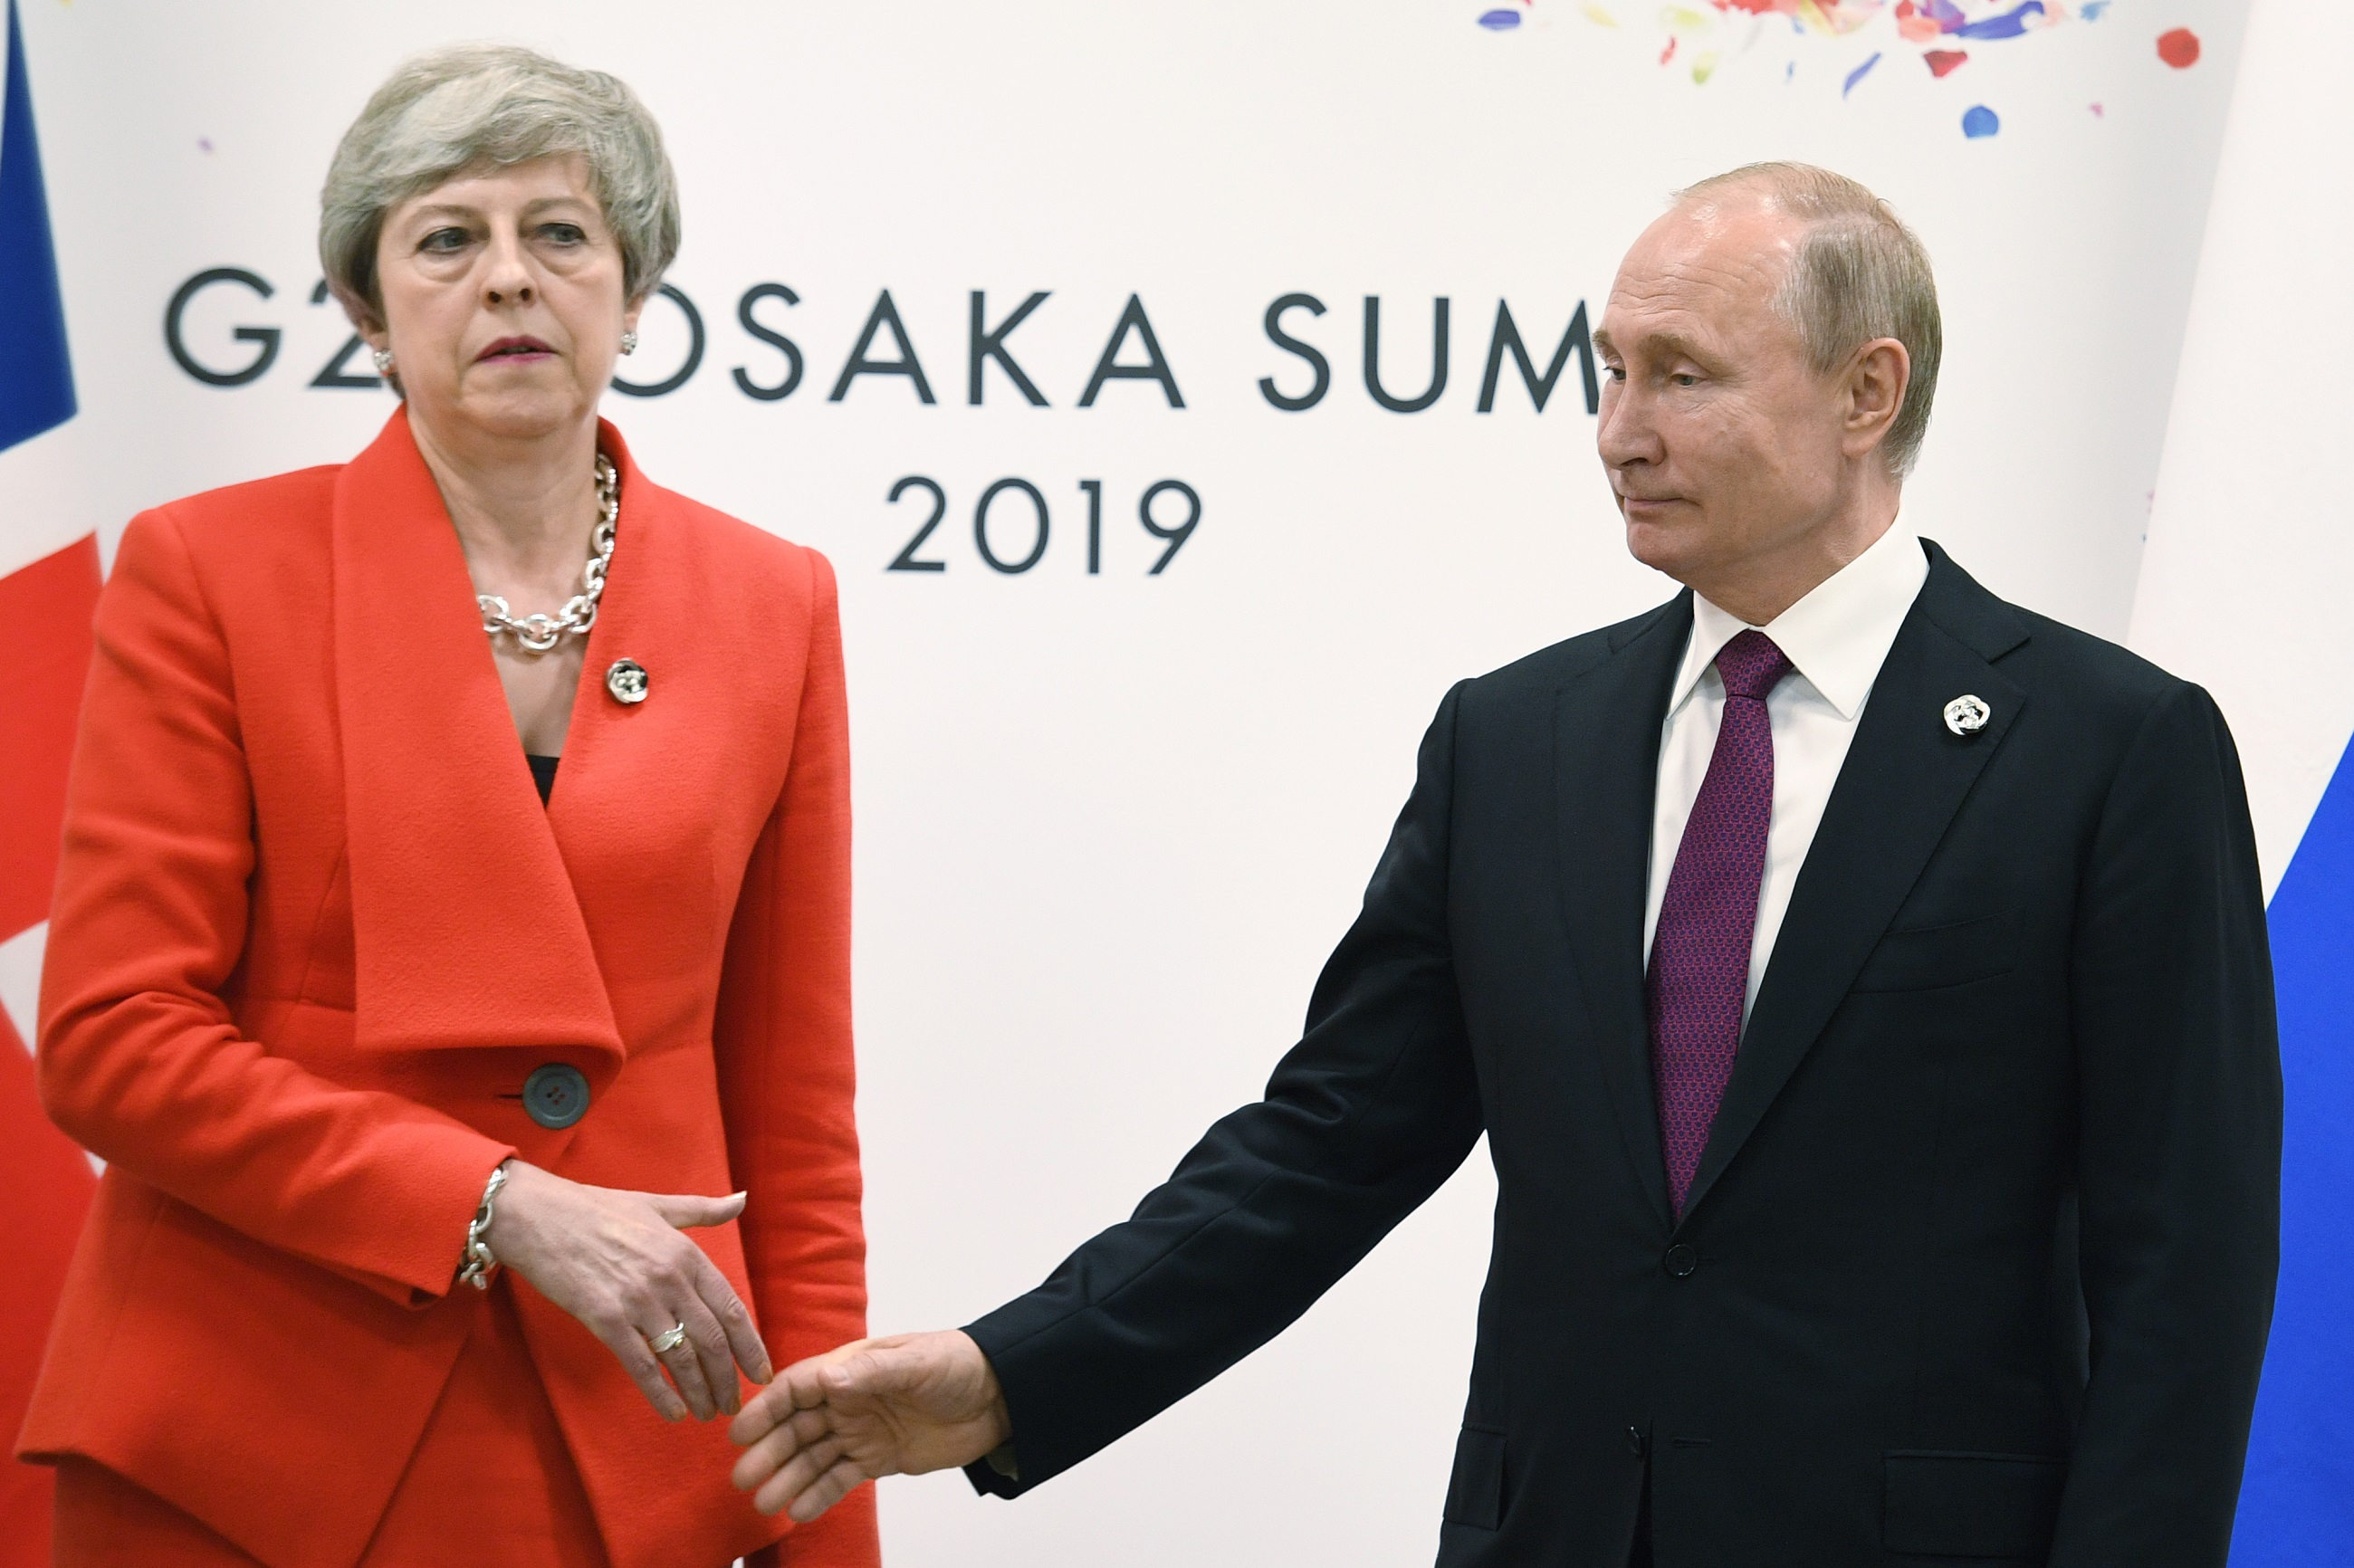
(479, 1261)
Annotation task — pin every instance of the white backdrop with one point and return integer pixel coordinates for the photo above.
(1110, 824)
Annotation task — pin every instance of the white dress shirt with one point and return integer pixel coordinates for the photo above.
(1836, 638)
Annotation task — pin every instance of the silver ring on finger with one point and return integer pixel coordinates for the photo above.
(662, 1344)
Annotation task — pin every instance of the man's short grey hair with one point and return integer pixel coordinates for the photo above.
(1859, 275)
(483, 106)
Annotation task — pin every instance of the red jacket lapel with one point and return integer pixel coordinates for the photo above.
(466, 927)
(626, 798)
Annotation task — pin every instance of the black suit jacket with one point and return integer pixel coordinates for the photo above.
(1978, 1262)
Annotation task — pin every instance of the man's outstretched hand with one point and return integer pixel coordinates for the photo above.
(898, 1406)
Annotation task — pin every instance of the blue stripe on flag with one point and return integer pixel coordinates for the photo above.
(2297, 1510)
(37, 390)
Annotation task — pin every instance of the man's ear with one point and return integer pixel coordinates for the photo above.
(1876, 379)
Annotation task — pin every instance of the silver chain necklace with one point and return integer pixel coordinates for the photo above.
(538, 634)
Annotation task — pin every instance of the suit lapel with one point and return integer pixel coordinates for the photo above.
(618, 756)
(1606, 761)
(466, 929)
(1906, 776)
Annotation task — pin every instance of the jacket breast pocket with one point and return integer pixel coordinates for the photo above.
(1923, 958)
(1972, 1505)
(1475, 1493)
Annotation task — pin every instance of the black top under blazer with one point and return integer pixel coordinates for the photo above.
(1978, 1262)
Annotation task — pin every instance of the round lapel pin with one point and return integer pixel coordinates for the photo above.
(627, 681)
(1967, 715)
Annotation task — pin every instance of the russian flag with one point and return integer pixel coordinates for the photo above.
(49, 588)
(2247, 587)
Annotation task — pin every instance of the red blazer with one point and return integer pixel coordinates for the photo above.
(314, 928)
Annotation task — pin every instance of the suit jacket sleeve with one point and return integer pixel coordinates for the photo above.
(2178, 1164)
(787, 1081)
(141, 1061)
(1362, 1121)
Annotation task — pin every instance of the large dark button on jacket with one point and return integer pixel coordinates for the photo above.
(1681, 1260)
(555, 1095)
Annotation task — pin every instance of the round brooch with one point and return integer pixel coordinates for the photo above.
(627, 681)
(1967, 714)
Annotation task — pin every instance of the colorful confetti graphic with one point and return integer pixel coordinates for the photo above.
(1703, 36)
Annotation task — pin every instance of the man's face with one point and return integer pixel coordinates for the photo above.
(1722, 444)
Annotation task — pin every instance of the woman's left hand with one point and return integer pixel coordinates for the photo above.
(615, 1260)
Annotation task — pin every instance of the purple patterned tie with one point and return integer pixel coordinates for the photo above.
(1699, 953)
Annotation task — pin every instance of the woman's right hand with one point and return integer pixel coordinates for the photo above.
(615, 1260)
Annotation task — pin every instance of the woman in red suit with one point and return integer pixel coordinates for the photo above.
(467, 1143)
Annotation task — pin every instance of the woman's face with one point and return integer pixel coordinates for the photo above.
(503, 302)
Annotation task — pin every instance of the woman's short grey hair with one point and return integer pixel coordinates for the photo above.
(1859, 275)
(482, 106)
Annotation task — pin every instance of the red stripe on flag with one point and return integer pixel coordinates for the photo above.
(45, 1182)
(46, 608)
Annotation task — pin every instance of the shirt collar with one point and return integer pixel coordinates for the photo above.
(1838, 636)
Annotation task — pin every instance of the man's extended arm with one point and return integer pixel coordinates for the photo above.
(1362, 1121)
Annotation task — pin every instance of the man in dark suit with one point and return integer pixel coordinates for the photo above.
(1861, 983)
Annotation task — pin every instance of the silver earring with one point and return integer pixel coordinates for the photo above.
(628, 343)
(384, 362)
